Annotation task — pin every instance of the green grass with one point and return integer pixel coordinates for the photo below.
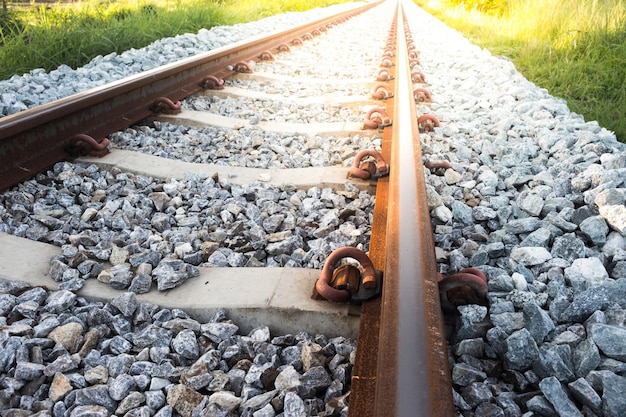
(48, 35)
(576, 49)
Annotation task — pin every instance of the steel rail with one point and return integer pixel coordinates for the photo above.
(35, 139)
(401, 366)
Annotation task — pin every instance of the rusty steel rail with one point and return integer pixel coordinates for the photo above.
(402, 366)
(35, 139)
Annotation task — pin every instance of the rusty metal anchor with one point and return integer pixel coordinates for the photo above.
(384, 75)
(266, 56)
(468, 286)
(386, 63)
(165, 105)
(368, 169)
(243, 67)
(211, 82)
(381, 92)
(422, 95)
(418, 77)
(427, 122)
(87, 145)
(376, 118)
(438, 167)
(346, 283)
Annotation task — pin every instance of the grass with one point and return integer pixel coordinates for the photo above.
(576, 49)
(47, 35)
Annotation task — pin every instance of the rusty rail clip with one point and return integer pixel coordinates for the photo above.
(346, 283)
(368, 169)
(348, 277)
(364, 294)
(468, 286)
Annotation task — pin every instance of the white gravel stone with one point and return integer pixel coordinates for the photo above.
(529, 256)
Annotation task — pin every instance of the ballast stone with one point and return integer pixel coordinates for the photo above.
(609, 340)
(552, 389)
(599, 297)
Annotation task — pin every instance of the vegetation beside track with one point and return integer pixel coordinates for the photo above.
(576, 49)
(46, 35)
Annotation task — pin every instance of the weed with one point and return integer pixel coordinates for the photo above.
(10, 25)
(149, 10)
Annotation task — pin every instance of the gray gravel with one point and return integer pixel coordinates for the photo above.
(299, 88)
(64, 356)
(246, 147)
(536, 199)
(342, 60)
(274, 111)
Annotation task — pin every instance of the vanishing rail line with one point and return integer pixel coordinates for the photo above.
(401, 365)
(402, 356)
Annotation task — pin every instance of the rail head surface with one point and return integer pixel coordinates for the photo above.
(37, 138)
(410, 375)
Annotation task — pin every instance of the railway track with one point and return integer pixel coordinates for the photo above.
(216, 124)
